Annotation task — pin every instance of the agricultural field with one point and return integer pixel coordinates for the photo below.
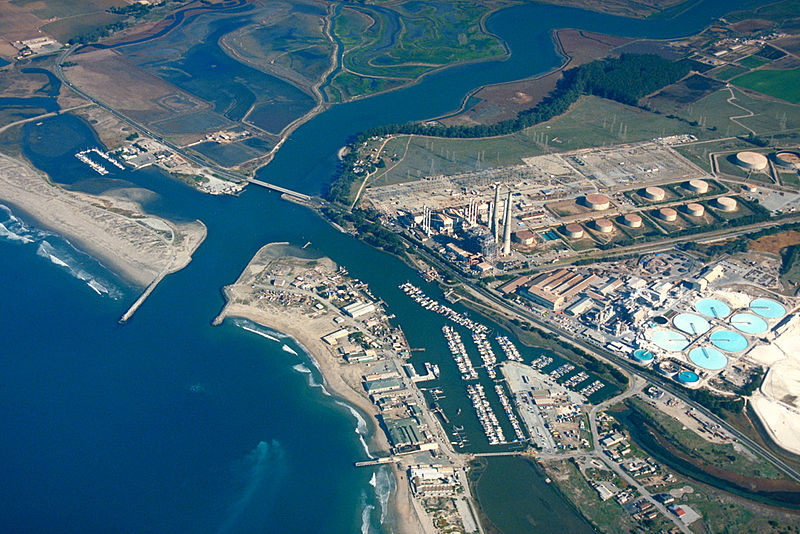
(727, 72)
(753, 62)
(400, 42)
(783, 84)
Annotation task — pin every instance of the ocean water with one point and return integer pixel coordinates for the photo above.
(168, 424)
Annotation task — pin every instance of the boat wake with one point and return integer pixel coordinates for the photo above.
(289, 349)
(57, 251)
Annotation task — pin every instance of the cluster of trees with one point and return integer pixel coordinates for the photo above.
(136, 10)
(721, 406)
(625, 79)
(98, 33)
(365, 223)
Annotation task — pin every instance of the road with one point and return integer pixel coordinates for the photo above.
(614, 359)
(637, 384)
(172, 146)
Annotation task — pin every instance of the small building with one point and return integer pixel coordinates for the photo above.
(334, 337)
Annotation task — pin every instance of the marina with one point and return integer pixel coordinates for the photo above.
(459, 353)
(83, 156)
(486, 416)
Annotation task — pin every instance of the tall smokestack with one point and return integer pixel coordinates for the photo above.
(507, 227)
(496, 214)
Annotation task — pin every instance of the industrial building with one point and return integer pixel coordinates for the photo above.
(554, 289)
(359, 309)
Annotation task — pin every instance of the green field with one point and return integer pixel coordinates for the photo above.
(783, 84)
(721, 455)
(727, 72)
(591, 122)
(752, 62)
(404, 40)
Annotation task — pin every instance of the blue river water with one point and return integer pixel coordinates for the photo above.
(167, 424)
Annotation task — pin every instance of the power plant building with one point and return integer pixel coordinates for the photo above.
(554, 289)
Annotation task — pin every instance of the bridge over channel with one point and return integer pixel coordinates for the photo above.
(279, 189)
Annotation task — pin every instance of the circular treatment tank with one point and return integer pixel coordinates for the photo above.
(749, 323)
(667, 214)
(596, 201)
(728, 340)
(654, 193)
(670, 340)
(697, 186)
(789, 160)
(768, 308)
(694, 209)
(643, 357)
(726, 204)
(604, 225)
(691, 323)
(687, 378)
(667, 368)
(574, 231)
(713, 308)
(708, 358)
(752, 161)
(631, 220)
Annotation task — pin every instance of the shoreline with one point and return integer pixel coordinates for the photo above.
(400, 513)
(136, 246)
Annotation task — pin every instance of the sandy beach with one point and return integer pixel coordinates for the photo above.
(137, 246)
(340, 379)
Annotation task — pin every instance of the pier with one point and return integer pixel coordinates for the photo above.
(377, 461)
(128, 314)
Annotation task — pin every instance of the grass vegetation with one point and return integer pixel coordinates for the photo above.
(721, 455)
(401, 41)
(783, 84)
(295, 44)
(606, 516)
(753, 62)
(727, 72)
(591, 121)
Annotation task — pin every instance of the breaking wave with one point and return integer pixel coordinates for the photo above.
(289, 349)
(257, 329)
(361, 426)
(57, 251)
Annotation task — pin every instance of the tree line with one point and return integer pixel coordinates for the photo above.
(625, 79)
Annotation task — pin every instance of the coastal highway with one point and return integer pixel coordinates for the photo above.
(613, 358)
(172, 146)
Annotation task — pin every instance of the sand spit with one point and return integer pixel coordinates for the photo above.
(140, 248)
